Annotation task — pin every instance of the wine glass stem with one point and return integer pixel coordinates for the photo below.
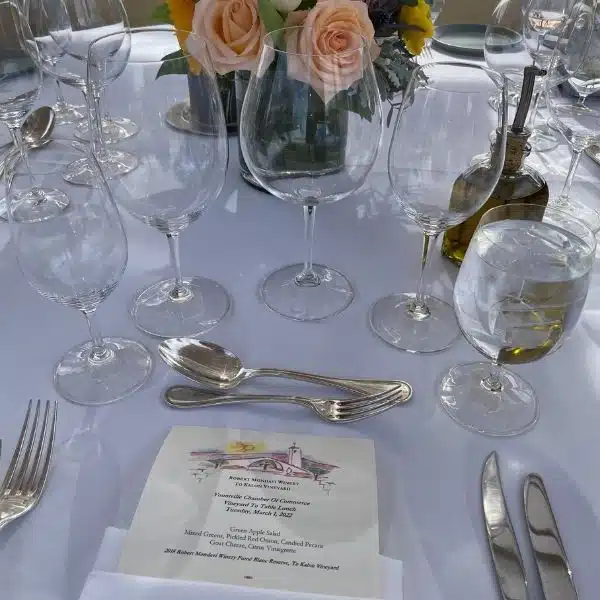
(180, 292)
(308, 276)
(420, 309)
(95, 122)
(534, 110)
(100, 352)
(566, 191)
(493, 382)
(60, 99)
(17, 138)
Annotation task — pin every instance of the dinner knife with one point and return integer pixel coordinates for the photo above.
(502, 541)
(548, 550)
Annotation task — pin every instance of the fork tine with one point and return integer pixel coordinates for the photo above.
(40, 481)
(26, 486)
(21, 472)
(15, 457)
(369, 407)
(367, 402)
(365, 415)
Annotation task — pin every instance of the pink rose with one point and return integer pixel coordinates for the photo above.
(327, 52)
(233, 33)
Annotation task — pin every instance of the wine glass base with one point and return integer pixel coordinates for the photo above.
(114, 163)
(36, 205)
(543, 139)
(67, 114)
(578, 210)
(392, 318)
(512, 411)
(156, 313)
(114, 129)
(93, 383)
(281, 292)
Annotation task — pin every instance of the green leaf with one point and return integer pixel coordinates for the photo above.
(175, 64)
(161, 14)
(269, 16)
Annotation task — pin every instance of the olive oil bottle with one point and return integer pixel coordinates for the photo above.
(518, 182)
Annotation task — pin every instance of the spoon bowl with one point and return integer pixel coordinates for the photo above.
(215, 366)
(38, 127)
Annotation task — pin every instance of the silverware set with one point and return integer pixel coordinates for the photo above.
(213, 366)
(25, 479)
(548, 550)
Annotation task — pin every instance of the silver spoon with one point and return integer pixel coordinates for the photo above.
(329, 409)
(213, 365)
(36, 130)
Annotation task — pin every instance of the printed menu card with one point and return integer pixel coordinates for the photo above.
(266, 510)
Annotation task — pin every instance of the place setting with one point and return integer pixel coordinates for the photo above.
(297, 106)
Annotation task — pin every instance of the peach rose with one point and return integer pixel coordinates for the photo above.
(327, 51)
(233, 33)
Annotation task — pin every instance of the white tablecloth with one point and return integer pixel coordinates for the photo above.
(428, 467)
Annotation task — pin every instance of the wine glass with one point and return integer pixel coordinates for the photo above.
(438, 184)
(20, 84)
(519, 293)
(180, 173)
(518, 37)
(573, 76)
(64, 30)
(77, 258)
(310, 135)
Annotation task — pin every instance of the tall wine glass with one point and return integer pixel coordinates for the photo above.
(517, 37)
(519, 293)
(437, 183)
(64, 30)
(20, 84)
(573, 76)
(180, 173)
(310, 135)
(77, 258)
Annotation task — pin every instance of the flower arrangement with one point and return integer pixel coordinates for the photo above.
(234, 30)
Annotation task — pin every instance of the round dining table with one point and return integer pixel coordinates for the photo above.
(428, 467)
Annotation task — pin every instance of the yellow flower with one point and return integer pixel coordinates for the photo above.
(181, 13)
(418, 16)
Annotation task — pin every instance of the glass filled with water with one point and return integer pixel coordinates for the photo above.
(519, 293)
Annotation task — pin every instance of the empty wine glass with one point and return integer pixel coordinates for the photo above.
(573, 77)
(519, 293)
(310, 135)
(519, 35)
(77, 258)
(180, 173)
(64, 30)
(20, 84)
(437, 183)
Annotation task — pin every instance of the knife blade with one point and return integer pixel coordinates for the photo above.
(508, 562)
(551, 560)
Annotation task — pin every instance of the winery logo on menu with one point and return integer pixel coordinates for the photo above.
(254, 457)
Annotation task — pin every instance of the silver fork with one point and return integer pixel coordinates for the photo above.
(27, 473)
(329, 409)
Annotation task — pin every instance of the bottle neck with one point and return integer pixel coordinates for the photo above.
(517, 150)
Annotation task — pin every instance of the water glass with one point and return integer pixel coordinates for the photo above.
(518, 295)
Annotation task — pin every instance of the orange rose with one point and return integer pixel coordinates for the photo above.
(232, 30)
(327, 52)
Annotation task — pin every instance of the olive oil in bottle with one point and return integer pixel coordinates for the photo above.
(518, 182)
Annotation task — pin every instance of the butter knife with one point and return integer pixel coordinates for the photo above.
(548, 550)
(502, 541)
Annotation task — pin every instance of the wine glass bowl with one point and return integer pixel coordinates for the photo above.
(310, 139)
(180, 173)
(438, 184)
(518, 295)
(76, 258)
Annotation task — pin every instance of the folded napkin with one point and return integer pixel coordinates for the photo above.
(104, 583)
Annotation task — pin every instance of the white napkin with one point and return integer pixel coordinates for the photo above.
(104, 583)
